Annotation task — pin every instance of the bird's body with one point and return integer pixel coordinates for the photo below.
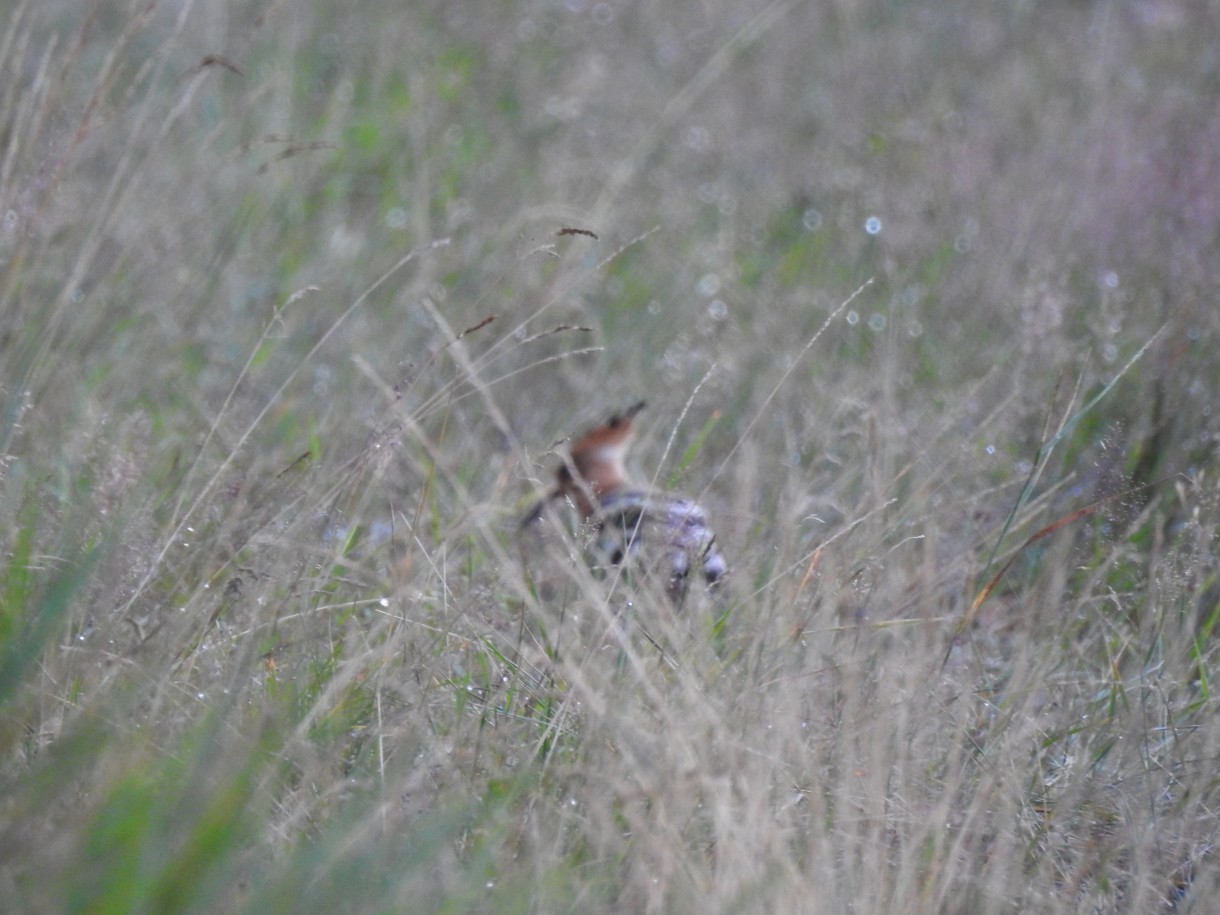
(660, 532)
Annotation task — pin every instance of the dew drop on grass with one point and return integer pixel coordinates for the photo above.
(872, 225)
(853, 317)
(697, 138)
(990, 449)
(563, 107)
(876, 322)
(811, 219)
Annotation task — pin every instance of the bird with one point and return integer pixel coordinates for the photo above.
(629, 525)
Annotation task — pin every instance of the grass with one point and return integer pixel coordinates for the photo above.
(290, 337)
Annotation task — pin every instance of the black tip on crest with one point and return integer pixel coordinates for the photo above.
(627, 415)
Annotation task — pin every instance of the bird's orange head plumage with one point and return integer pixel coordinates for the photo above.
(595, 466)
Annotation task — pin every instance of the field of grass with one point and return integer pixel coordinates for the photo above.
(290, 338)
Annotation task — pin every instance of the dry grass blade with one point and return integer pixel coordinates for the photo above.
(1040, 459)
(271, 638)
(830, 318)
(1065, 428)
(1034, 538)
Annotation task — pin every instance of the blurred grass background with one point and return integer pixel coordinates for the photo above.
(267, 642)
